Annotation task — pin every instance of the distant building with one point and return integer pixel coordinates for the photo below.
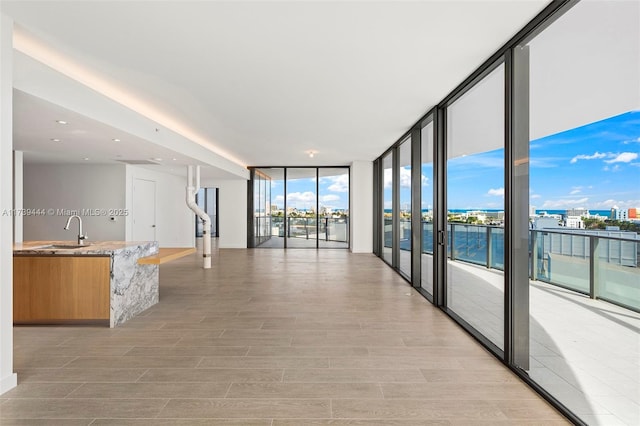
(633, 213)
(580, 212)
(545, 222)
(574, 222)
(622, 215)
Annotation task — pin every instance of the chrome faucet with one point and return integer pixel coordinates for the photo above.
(81, 237)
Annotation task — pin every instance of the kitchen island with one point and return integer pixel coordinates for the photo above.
(100, 282)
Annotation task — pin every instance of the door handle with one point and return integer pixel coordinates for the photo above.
(441, 238)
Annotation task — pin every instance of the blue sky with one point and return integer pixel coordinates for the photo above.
(334, 192)
(596, 166)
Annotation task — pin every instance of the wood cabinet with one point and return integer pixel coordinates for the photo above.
(59, 289)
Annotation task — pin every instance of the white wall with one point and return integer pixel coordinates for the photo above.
(232, 211)
(56, 187)
(175, 223)
(8, 379)
(361, 200)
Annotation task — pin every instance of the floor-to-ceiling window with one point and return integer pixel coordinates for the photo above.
(302, 213)
(299, 207)
(387, 207)
(584, 161)
(333, 212)
(261, 208)
(426, 208)
(268, 208)
(534, 164)
(475, 204)
(404, 212)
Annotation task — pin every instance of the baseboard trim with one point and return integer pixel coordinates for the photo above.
(9, 382)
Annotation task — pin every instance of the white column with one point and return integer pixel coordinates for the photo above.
(18, 191)
(232, 209)
(361, 209)
(8, 379)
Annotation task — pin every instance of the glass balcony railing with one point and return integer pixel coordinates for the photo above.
(601, 264)
(325, 228)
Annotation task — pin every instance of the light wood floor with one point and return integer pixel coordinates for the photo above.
(270, 337)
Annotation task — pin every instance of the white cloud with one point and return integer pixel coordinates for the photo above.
(301, 199)
(424, 180)
(615, 168)
(631, 141)
(534, 196)
(622, 204)
(405, 178)
(498, 192)
(595, 156)
(339, 183)
(329, 198)
(279, 199)
(388, 178)
(575, 190)
(559, 204)
(625, 157)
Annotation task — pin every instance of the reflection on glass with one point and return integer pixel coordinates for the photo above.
(387, 208)
(475, 200)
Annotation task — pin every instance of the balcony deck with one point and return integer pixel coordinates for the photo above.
(585, 352)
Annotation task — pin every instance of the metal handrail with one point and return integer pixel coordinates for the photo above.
(587, 250)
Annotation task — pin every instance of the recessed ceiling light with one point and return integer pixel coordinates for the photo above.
(157, 159)
(311, 153)
(55, 140)
(62, 122)
(174, 159)
(116, 140)
(86, 158)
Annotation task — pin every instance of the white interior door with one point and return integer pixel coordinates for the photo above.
(144, 210)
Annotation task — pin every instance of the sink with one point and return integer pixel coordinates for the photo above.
(64, 246)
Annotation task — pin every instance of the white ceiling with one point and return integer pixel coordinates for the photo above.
(79, 139)
(262, 82)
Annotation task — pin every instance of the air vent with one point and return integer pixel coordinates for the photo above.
(138, 162)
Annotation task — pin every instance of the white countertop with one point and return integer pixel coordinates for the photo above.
(90, 247)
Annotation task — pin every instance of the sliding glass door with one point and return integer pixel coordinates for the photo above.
(475, 204)
(426, 208)
(387, 208)
(404, 213)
